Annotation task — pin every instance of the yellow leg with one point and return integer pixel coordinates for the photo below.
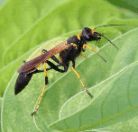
(78, 76)
(94, 50)
(39, 100)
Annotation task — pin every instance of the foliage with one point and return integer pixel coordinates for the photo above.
(28, 26)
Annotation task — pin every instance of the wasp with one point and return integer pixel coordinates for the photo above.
(68, 51)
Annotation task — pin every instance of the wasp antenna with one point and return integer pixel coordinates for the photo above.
(110, 25)
(101, 57)
(97, 53)
(109, 41)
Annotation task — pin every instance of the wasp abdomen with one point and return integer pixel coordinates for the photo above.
(22, 80)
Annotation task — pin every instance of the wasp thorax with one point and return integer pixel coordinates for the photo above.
(75, 40)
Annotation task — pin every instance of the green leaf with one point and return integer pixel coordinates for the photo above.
(115, 100)
(18, 18)
(126, 126)
(94, 70)
(1, 3)
(0, 111)
(128, 4)
(25, 24)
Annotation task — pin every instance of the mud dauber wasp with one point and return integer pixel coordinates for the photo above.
(68, 51)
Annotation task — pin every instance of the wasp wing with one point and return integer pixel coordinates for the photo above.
(34, 63)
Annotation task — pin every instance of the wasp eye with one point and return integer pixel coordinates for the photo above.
(87, 34)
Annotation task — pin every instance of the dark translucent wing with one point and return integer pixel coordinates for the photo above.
(32, 64)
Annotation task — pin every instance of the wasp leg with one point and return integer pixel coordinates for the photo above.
(94, 50)
(39, 100)
(56, 67)
(54, 58)
(79, 78)
(73, 64)
(52, 66)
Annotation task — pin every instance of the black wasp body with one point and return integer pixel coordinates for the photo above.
(67, 55)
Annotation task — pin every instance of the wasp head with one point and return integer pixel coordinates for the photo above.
(89, 35)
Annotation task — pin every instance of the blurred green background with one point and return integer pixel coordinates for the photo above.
(26, 27)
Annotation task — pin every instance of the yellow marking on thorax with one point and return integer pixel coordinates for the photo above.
(93, 30)
(79, 36)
